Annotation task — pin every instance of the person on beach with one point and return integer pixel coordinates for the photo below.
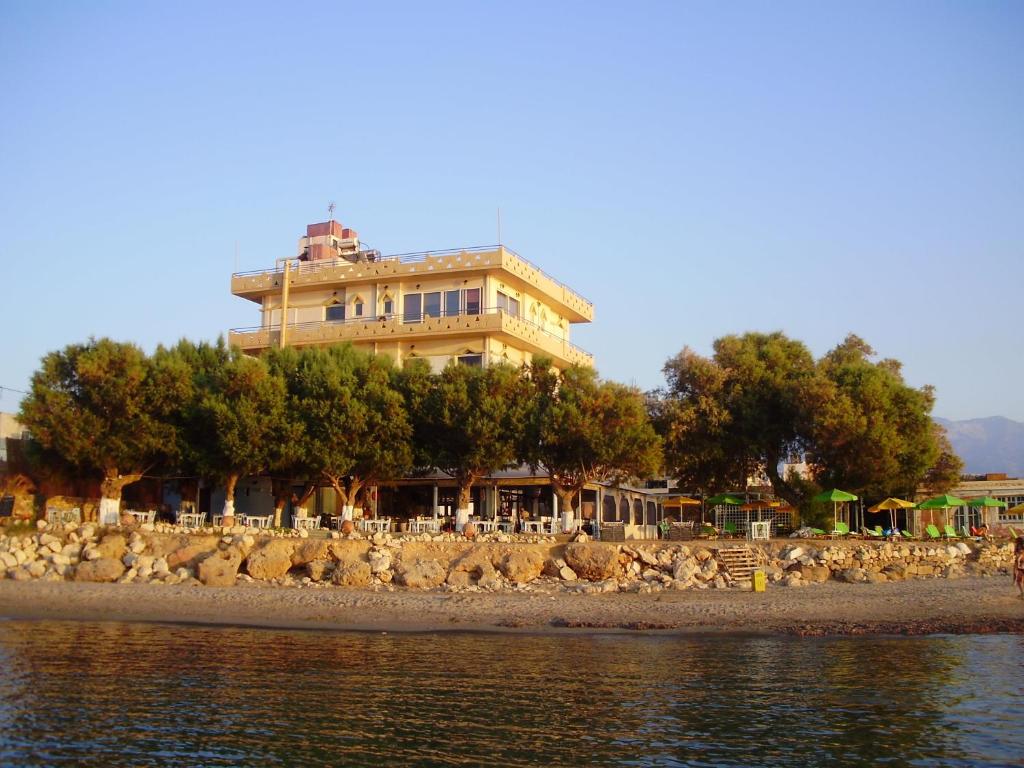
(1018, 565)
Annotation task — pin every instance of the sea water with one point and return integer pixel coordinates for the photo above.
(150, 694)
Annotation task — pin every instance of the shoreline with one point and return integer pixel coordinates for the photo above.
(918, 607)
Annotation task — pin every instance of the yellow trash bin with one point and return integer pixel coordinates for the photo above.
(760, 581)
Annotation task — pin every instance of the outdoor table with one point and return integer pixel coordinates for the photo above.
(375, 524)
(425, 526)
(532, 526)
(257, 521)
(191, 519)
(307, 523)
(63, 515)
(142, 517)
(485, 526)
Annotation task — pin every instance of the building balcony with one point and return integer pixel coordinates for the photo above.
(494, 259)
(497, 323)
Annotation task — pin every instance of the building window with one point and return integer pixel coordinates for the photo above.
(474, 361)
(508, 305)
(358, 308)
(451, 303)
(389, 306)
(432, 304)
(335, 313)
(412, 308)
(472, 301)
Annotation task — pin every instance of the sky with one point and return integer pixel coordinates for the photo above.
(693, 168)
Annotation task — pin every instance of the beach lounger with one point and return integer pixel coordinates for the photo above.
(729, 529)
(932, 531)
(818, 532)
(950, 532)
(873, 534)
(907, 535)
(842, 529)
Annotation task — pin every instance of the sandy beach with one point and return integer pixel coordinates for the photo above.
(920, 606)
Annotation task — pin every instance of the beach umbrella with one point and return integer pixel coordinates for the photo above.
(837, 497)
(892, 505)
(1018, 510)
(945, 501)
(680, 502)
(724, 498)
(757, 505)
(986, 502)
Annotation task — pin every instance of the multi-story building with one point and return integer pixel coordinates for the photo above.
(473, 305)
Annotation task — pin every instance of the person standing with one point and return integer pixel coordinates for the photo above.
(1018, 565)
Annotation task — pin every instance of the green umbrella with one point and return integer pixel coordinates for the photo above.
(986, 501)
(837, 497)
(945, 501)
(724, 498)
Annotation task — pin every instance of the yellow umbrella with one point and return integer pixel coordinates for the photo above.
(1017, 510)
(681, 501)
(892, 505)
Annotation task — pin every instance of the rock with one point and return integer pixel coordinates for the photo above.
(593, 561)
(352, 574)
(319, 569)
(469, 531)
(309, 550)
(876, 578)
(817, 574)
(963, 548)
(160, 567)
(36, 568)
(191, 554)
(460, 579)
(567, 574)
(104, 569)
(853, 575)
(347, 526)
(220, 569)
(522, 565)
(270, 561)
(112, 546)
(8, 560)
(684, 569)
(420, 573)
(471, 567)
(379, 562)
(792, 580)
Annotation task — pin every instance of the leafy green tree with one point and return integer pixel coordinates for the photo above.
(356, 428)
(874, 434)
(469, 422)
(237, 421)
(587, 430)
(103, 406)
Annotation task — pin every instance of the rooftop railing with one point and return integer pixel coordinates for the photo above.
(411, 319)
(372, 256)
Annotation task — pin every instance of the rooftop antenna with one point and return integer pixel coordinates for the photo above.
(330, 211)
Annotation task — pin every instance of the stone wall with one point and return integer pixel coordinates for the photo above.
(167, 555)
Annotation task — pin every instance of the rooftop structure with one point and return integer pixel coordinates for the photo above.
(472, 305)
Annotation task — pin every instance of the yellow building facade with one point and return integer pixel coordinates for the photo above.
(475, 306)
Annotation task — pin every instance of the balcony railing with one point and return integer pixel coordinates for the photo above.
(415, 319)
(306, 267)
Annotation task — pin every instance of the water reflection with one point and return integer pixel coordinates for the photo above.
(100, 694)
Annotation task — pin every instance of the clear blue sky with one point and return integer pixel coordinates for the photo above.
(695, 169)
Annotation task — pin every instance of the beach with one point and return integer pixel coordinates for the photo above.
(921, 606)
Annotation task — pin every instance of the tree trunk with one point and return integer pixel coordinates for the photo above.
(282, 493)
(465, 494)
(355, 485)
(779, 485)
(569, 500)
(110, 495)
(229, 501)
(341, 492)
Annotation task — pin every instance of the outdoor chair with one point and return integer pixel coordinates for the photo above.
(819, 532)
(730, 530)
(907, 535)
(950, 532)
(873, 534)
(842, 529)
(932, 531)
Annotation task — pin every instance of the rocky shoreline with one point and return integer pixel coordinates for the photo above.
(444, 582)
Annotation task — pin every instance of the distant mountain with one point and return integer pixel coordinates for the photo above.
(995, 444)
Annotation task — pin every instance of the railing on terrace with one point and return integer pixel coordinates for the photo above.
(412, 319)
(408, 258)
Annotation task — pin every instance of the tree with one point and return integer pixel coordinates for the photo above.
(742, 411)
(236, 422)
(356, 428)
(103, 406)
(586, 431)
(874, 434)
(469, 423)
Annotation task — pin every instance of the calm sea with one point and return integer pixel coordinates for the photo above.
(136, 694)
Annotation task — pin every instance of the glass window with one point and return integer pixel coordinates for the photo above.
(472, 301)
(336, 312)
(359, 308)
(389, 307)
(513, 307)
(413, 308)
(475, 361)
(502, 302)
(451, 303)
(432, 304)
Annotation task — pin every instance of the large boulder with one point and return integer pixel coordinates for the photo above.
(815, 573)
(112, 546)
(101, 570)
(309, 550)
(270, 561)
(592, 561)
(189, 555)
(355, 573)
(221, 568)
(471, 567)
(522, 565)
(318, 570)
(420, 573)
